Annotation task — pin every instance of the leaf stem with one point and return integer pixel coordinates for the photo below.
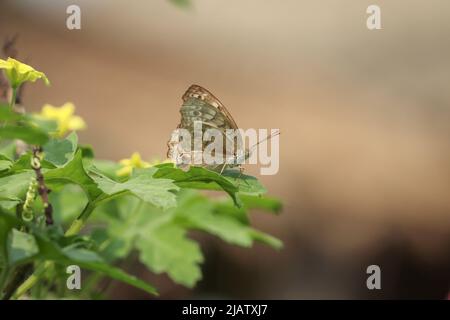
(79, 222)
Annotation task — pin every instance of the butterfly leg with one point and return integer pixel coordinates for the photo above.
(241, 170)
(223, 168)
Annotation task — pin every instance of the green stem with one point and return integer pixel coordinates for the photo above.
(79, 222)
(31, 281)
(3, 278)
(18, 277)
(12, 103)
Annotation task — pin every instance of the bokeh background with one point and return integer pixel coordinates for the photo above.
(364, 115)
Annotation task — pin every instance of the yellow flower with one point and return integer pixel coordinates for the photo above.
(18, 72)
(64, 118)
(129, 164)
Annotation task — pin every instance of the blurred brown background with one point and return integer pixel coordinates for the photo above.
(364, 115)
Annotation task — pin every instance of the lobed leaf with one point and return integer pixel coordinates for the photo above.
(161, 238)
(61, 151)
(166, 249)
(73, 172)
(261, 202)
(198, 178)
(159, 192)
(199, 212)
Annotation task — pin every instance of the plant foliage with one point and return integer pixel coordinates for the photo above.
(101, 219)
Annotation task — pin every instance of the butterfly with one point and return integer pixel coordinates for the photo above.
(201, 106)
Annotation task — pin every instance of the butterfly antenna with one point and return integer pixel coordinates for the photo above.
(270, 136)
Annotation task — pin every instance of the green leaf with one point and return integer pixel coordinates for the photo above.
(21, 247)
(43, 245)
(166, 249)
(105, 167)
(86, 150)
(47, 125)
(7, 150)
(158, 192)
(7, 222)
(162, 243)
(87, 259)
(92, 261)
(6, 114)
(198, 178)
(13, 188)
(9, 203)
(160, 236)
(73, 172)
(24, 164)
(267, 239)
(198, 212)
(261, 202)
(228, 208)
(5, 165)
(247, 184)
(59, 152)
(29, 134)
(120, 215)
(68, 202)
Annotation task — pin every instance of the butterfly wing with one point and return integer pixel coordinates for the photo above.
(200, 105)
